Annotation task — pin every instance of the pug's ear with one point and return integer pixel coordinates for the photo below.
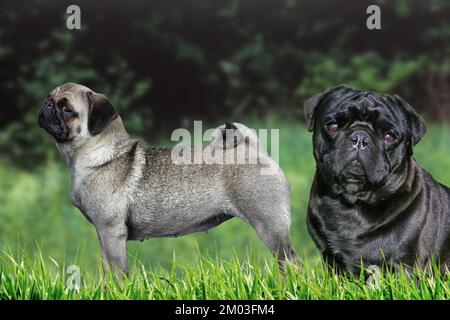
(101, 112)
(310, 107)
(418, 127)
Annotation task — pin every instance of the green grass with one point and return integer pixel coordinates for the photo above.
(212, 278)
(35, 211)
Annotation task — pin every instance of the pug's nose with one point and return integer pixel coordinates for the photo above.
(360, 140)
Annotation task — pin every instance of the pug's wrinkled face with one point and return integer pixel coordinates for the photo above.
(73, 113)
(361, 139)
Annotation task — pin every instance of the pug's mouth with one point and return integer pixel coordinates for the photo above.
(353, 173)
(352, 181)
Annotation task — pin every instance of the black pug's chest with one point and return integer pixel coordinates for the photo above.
(347, 239)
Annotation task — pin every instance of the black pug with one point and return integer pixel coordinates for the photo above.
(371, 203)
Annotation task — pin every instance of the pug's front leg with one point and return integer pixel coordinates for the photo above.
(113, 242)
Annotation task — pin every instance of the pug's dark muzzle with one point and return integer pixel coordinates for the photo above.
(355, 163)
(52, 121)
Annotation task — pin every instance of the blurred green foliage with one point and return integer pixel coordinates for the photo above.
(164, 63)
(367, 70)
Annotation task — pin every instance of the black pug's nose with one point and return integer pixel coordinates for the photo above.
(360, 139)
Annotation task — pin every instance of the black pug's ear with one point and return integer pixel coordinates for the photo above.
(312, 103)
(101, 112)
(310, 107)
(418, 127)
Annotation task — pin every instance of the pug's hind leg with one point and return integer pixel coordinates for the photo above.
(113, 242)
(276, 236)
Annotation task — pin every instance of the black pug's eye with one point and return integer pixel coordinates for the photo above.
(332, 127)
(389, 137)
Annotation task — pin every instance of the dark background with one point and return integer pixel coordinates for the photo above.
(164, 63)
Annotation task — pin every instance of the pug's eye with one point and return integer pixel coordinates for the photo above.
(66, 109)
(389, 137)
(332, 127)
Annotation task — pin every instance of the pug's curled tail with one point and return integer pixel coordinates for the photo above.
(230, 135)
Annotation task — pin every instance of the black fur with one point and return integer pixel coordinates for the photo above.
(375, 204)
(101, 113)
(52, 121)
(229, 126)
